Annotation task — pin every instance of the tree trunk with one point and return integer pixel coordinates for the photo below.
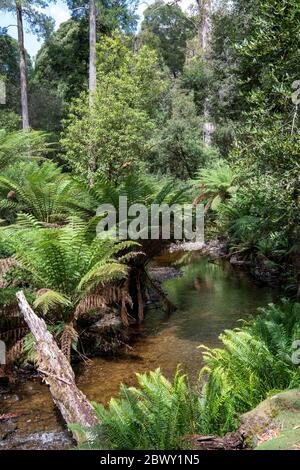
(23, 68)
(231, 441)
(204, 30)
(57, 372)
(92, 79)
(92, 64)
(204, 7)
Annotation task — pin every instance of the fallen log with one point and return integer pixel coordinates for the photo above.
(57, 372)
(231, 441)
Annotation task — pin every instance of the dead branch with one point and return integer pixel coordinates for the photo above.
(57, 372)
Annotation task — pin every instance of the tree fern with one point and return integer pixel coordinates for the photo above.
(43, 192)
(20, 145)
(48, 299)
(216, 184)
(65, 267)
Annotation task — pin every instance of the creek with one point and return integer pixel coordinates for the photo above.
(210, 296)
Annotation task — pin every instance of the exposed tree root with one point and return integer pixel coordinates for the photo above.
(166, 303)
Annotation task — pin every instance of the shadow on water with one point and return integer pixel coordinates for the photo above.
(210, 297)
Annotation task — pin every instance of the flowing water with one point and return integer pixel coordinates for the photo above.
(210, 297)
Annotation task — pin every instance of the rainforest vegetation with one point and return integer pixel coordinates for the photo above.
(177, 105)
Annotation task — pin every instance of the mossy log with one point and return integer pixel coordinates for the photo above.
(272, 425)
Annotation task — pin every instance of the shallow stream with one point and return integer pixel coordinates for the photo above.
(210, 296)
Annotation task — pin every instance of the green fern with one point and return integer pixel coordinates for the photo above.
(17, 146)
(156, 415)
(67, 268)
(216, 184)
(42, 191)
(255, 361)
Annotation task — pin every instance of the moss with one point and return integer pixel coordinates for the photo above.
(288, 432)
(275, 423)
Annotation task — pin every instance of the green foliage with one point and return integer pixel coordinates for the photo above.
(263, 212)
(70, 260)
(120, 14)
(9, 121)
(61, 67)
(269, 53)
(154, 416)
(112, 134)
(68, 268)
(196, 76)
(40, 190)
(50, 299)
(216, 184)
(178, 147)
(139, 189)
(167, 28)
(255, 90)
(60, 73)
(217, 179)
(255, 361)
(105, 138)
(16, 146)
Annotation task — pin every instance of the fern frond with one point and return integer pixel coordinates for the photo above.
(15, 352)
(88, 303)
(49, 299)
(69, 336)
(103, 273)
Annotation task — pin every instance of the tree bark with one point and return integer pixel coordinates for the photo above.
(204, 30)
(57, 372)
(231, 441)
(92, 62)
(23, 68)
(92, 78)
(204, 7)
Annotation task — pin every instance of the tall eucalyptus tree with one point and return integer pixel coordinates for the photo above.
(28, 12)
(204, 33)
(92, 47)
(114, 14)
(204, 28)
